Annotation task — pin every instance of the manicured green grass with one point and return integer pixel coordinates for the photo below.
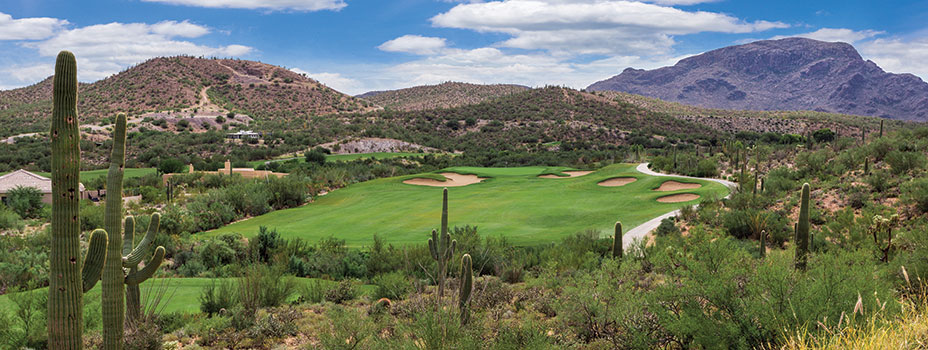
(90, 174)
(345, 157)
(512, 202)
(181, 294)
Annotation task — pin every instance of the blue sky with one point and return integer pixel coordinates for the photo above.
(357, 46)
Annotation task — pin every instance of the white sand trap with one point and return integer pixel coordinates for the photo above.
(617, 181)
(677, 198)
(569, 174)
(674, 185)
(453, 180)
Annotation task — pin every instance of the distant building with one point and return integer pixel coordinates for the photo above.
(244, 135)
(247, 173)
(28, 179)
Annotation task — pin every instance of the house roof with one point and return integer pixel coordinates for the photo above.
(27, 179)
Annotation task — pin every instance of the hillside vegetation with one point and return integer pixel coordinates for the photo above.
(445, 95)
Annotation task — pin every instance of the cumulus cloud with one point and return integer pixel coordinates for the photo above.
(35, 28)
(591, 26)
(105, 49)
(898, 55)
(336, 81)
(273, 5)
(837, 34)
(416, 44)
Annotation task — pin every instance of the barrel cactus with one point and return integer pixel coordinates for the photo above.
(67, 280)
(114, 276)
(441, 246)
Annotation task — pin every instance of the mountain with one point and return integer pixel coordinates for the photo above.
(445, 95)
(185, 86)
(785, 74)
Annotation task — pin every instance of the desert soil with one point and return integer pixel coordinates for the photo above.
(617, 181)
(674, 185)
(453, 180)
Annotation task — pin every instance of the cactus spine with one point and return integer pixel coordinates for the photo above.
(802, 229)
(617, 241)
(467, 287)
(114, 277)
(67, 280)
(442, 246)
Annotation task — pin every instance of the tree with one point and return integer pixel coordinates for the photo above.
(170, 166)
(315, 156)
(25, 201)
(823, 135)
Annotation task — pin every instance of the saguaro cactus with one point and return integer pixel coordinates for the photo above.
(617, 241)
(763, 244)
(114, 277)
(67, 280)
(131, 260)
(881, 128)
(467, 287)
(802, 229)
(442, 246)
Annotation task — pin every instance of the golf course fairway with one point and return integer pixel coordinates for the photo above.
(511, 202)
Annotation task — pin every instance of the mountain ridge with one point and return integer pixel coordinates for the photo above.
(784, 74)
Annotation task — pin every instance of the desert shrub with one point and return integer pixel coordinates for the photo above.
(857, 197)
(341, 292)
(902, 162)
(707, 167)
(25, 201)
(9, 220)
(383, 258)
(171, 166)
(315, 157)
(217, 297)
(668, 226)
(152, 195)
(29, 310)
(879, 180)
(287, 192)
(392, 285)
(247, 199)
(350, 330)
(915, 192)
(313, 292)
(264, 286)
(145, 335)
(263, 246)
(211, 211)
(738, 224)
(279, 324)
(526, 334)
(823, 135)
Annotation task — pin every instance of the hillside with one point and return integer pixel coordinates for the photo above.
(786, 74)
(445, 95)
(185, 86)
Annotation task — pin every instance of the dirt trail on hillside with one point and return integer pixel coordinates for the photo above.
(453, 180)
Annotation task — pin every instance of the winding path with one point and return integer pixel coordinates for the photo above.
(642, 230)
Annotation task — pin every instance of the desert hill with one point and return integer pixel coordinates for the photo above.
(445, 95)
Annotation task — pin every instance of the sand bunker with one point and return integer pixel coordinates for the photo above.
(453, 180)
(617, 181)
(674, 185)
(569, 174)
(677, 198)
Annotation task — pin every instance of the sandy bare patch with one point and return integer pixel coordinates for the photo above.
(569, 174)
(617, 181)
(453, 180)
(677, 198)
(674, 185)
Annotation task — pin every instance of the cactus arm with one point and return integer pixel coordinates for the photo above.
(617, 241)
(93, 261)
(802, 228)
(65, 304)
(149, 270)
(114, 302)
(128, 235)
(143, 247)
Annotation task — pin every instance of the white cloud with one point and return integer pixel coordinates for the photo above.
(336, 81)
(680, 2)
(591, 26)
(274, 5)
(898, 55)
(105, 49)
(836, 34)
(35, 28)
(416, 44)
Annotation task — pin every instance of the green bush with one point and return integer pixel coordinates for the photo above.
(902, 162)
(25, 201)
(916, 192)
(9, 220)
(341, 292)
(217, 298)
(393, 286)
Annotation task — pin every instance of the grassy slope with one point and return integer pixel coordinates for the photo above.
(513, 203)
(182, 294)
(90, 174)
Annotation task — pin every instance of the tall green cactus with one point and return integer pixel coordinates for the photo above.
(114, 277)
(67, 280)
(442, 246)
(467, 288)
(617, 241)
(763, 243)
(881, 128)
(131, 260)
(802, 229)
